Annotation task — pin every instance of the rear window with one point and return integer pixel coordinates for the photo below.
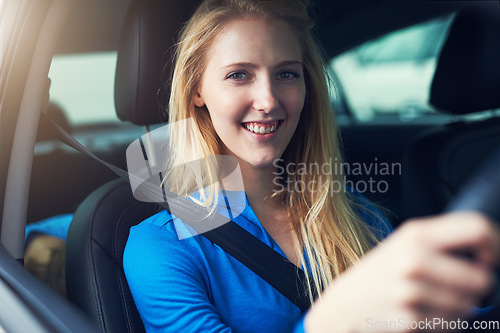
(392, 75)
(83, 86)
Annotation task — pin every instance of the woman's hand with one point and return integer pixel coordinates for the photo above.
(411, 276)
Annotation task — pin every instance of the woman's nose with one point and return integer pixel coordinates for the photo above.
(264, 98)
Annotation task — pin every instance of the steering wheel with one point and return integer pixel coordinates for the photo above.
(481, 193)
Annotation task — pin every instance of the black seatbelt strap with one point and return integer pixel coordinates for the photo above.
(275, 269)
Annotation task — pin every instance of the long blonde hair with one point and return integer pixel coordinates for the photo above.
(325, 227)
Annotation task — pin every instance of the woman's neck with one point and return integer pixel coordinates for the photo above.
(259, 186)
(272, 214)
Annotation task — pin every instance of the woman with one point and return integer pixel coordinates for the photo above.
(250, 77)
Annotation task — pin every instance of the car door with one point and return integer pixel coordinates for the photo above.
(28, 31)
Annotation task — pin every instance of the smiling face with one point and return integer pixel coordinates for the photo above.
(253, 87)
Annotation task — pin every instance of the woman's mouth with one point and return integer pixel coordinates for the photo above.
(262, 128)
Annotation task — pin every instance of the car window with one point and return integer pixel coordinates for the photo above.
(391, 75)
(83, 86)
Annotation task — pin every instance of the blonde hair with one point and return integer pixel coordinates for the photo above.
(325, 227)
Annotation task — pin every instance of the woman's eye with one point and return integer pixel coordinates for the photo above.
(287, 75)
(237, 76)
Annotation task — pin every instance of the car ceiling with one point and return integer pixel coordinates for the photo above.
(94, 25)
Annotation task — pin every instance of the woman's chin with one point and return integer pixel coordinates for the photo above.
(263, 163)
(259, 158)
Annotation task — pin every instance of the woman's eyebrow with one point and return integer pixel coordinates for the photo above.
(241, 64)
(252, 65)
(289, 63)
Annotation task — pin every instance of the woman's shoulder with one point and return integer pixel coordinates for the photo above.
(160, 219)
(163, 225)
(159, 235)
(158, 226)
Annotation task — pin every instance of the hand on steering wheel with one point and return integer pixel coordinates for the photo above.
(420, 271)
(481, 193)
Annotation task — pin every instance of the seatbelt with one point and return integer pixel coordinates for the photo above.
(275, 269)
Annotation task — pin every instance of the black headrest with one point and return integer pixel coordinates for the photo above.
(468, 69)
(144, 58)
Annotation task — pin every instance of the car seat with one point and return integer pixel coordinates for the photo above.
(466, 81)
(96, 239)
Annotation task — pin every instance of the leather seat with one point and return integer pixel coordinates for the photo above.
(466, 81)
(99, 231)
(96, 240)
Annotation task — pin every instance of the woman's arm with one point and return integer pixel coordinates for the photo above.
(412, 276)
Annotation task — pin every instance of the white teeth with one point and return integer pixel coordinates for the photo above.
(261, 129)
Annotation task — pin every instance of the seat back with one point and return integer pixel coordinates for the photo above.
(466, 81)
(99, 231)
(96, 241)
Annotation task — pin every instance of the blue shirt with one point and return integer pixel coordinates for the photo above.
(192, 285)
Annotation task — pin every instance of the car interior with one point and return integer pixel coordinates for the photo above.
(441, 158)
(435, 152)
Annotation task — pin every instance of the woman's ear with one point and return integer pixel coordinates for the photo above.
(198, 100)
